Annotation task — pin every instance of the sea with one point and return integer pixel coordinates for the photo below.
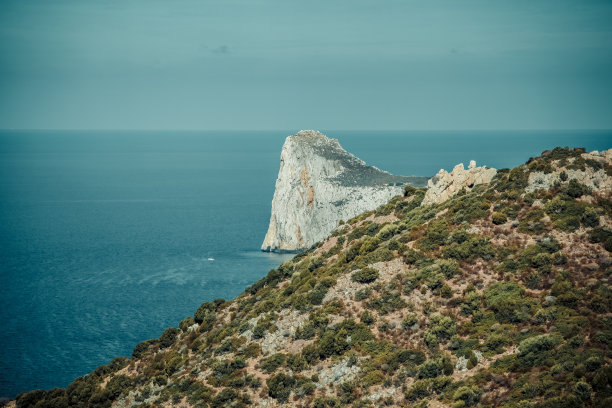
(109, 237)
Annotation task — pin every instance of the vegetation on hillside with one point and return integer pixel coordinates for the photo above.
(494, 298)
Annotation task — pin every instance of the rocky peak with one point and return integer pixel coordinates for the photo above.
(444, 185)
(319, 183)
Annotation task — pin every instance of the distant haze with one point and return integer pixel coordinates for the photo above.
(262, 64)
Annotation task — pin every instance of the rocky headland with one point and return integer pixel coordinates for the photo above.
(320, 184)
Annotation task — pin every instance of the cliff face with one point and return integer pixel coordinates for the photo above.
(319, 183)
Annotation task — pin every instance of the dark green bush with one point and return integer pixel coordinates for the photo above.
(533, 350)
(271, 364)
(186, 323)
(143, 347)
(507, 300)
(367, 318)
(435, 234)
(439, 328)
(574, 189)
(280, 386)
(499, 218)
(469, 395)
(168, 337)
(296, 362)
(365, 275)
(387, 302)
(601, 235)
(205, 315)
(473, 247)
(430, 369)
(224, 398)
(409, 321)
(533, 223)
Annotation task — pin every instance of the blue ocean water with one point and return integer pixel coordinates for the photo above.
(105, 237)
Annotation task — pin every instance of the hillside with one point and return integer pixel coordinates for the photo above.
(498, 296)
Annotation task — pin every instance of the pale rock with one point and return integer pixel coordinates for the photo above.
(384, 393)
(319, 183)
(595, 179)
(461, 364)
(338, 373)
(444, 185)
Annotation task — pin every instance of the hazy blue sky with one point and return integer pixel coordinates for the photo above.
(255, 64)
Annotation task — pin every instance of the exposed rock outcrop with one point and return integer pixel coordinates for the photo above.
(319, 183)
(593, 176)
(444, 185)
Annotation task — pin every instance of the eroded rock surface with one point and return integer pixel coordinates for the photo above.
(319, 183)
(592, 177)
(444, 185)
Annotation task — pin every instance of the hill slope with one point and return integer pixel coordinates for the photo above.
(499, 296)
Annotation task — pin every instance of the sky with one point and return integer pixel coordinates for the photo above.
(267, 64)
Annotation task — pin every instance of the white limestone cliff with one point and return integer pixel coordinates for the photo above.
(319, 183)
(444, 185)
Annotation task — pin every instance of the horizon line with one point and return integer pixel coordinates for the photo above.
(289, 130)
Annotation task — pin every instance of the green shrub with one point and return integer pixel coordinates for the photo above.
(473, 247)
(469, 395)
(367, 318)
(507, 300)
(448, 267)
(533, 223)
(409, 321)
(186, 323)
(386, 232)
(575, 189)
(296, 362)
(409, 191)
(280, 386)
(369, 245)
(143, 347)
(387, 302)
(470, 303)
(315, 296)
(271, 364)
(412, 257)
(435, 234)
(205, 316)
(251, 350)
(224, 397)
(333, 343)
(497, 343)
(168, 337)
(363, 294)
(430, 369)
(372, 378)
(365, 275)
(311, 353)
(590, 218)
(601, 235)
(532, 350)
(565, 214)
(499, 218)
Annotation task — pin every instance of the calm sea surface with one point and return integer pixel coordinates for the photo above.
(105, 237)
